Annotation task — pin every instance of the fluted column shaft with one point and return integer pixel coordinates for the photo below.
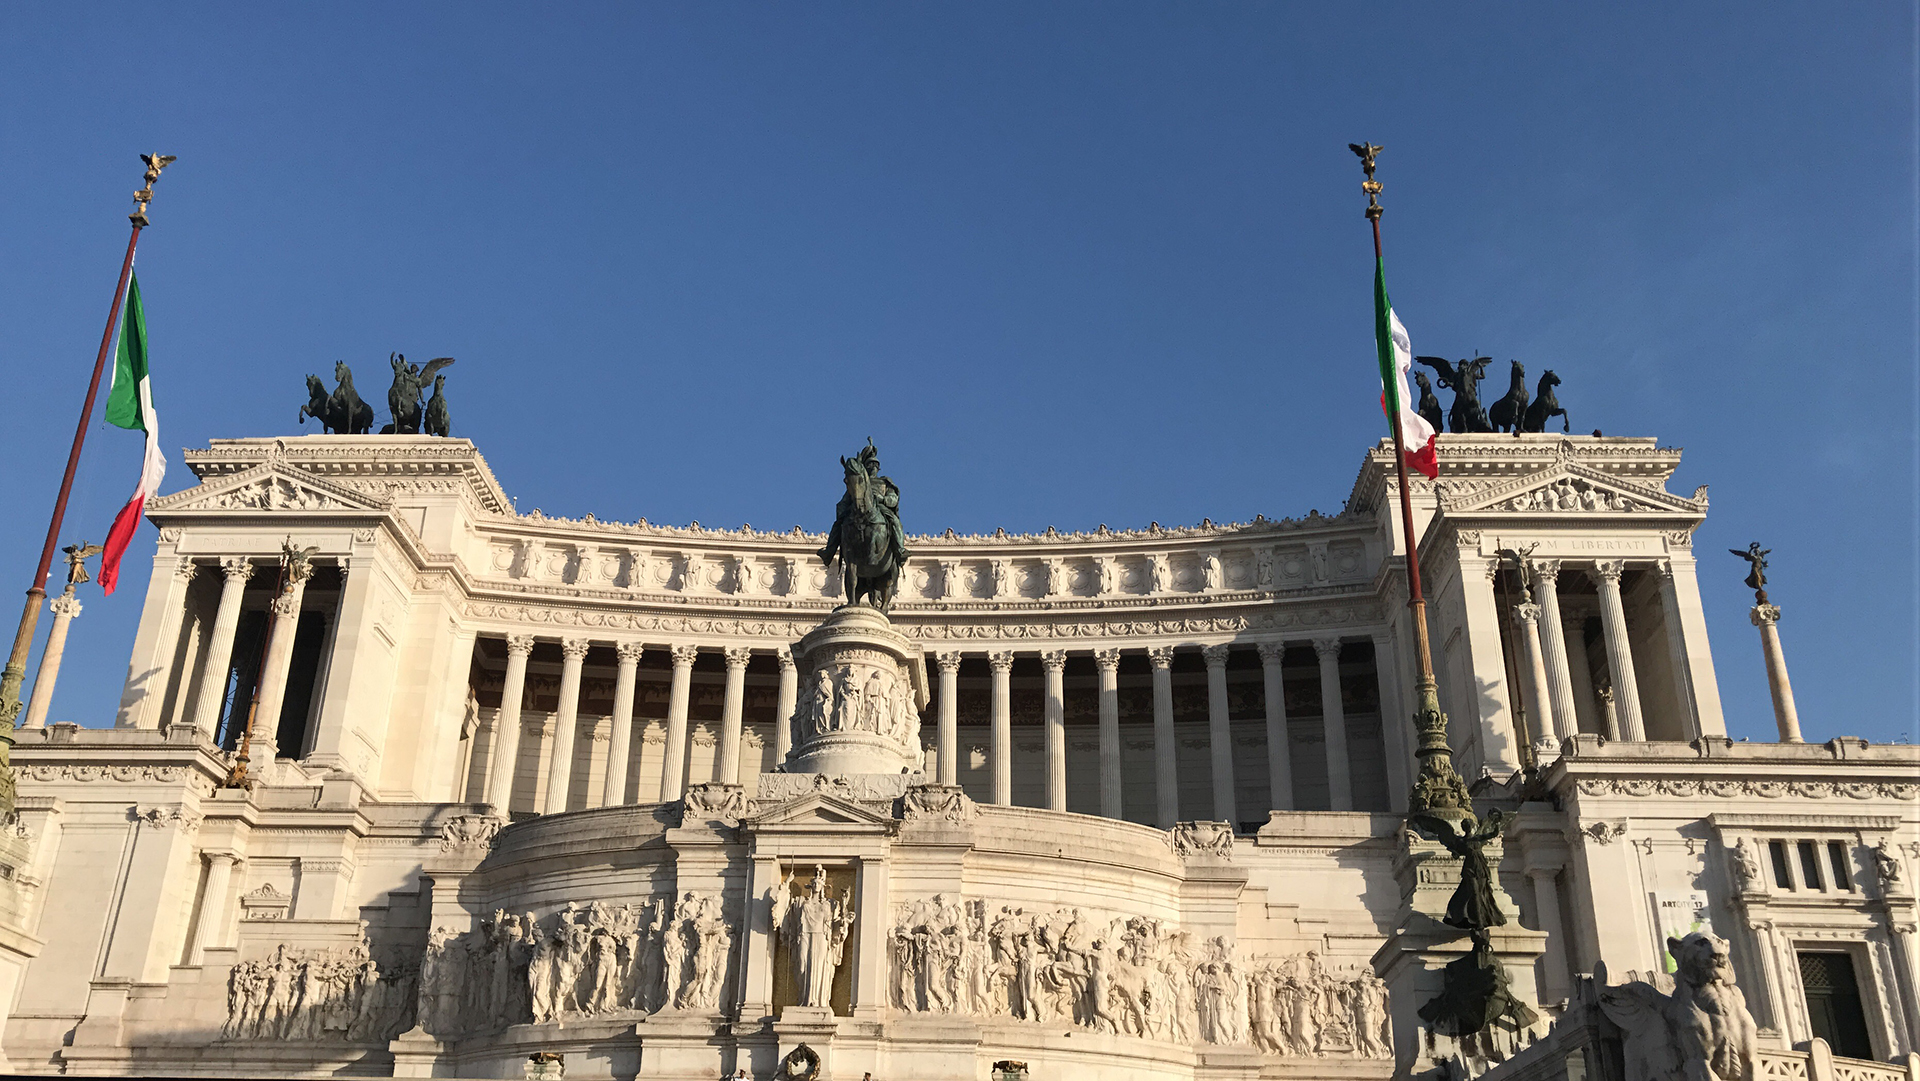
(1107, 663)
(560, 770)
(1220, 736)
(1586, 704)
(1613, 622)
(226, 620)
(64, 608)
(213, 906)
(1785, 716)
(620, 740)
(1166, 767)
(1279, 754)
(1054, 662)
(947, 742)
(1333, 719)
(1000, 748)
(1547, 724)
(673, 769)
(1553, 646)
(728, 770)
(784, 703)
(279, 660)
(506, 729)
(1676, 637)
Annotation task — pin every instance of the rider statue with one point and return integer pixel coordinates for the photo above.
(885, 496)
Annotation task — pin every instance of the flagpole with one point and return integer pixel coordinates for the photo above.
(1437, 789)
(16, 669)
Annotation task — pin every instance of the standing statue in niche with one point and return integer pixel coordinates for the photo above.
(866, 532)
(1466, 414)
(815, 927)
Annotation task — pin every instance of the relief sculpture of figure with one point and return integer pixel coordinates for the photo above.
(866, 533)
(815, 927)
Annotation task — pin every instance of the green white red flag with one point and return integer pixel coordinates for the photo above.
(1396, 360)
(130, 405)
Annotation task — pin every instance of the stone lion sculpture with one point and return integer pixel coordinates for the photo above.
(1700, 1032)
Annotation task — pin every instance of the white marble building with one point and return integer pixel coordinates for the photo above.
(1154, 834)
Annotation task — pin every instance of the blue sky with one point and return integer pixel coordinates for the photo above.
(1066, 263)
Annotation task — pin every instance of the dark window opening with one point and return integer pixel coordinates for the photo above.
(1782, 875)
(1837, 856)
(1810, 865)
(303, 674)
(243, 675)
(1833, 1003)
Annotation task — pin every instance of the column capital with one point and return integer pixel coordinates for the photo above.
(1607, 570)
(948, 660)
(1215, 655)
(1107, 659)
(1665, 567)
(238, 568)
(683, 654)
(629, 652)
(1001, 660)
(1541, 873)
(1327, 648)
(1272, 652)
(519, 644)
(186, 568)
(575, 648)
(785, 656)
(1546, 573)
(1053, 660)
(738, 656)
(221, 855)
(1764, 615)
(66, 604)
(1527, 613)
(286, 604)
(1161, 656)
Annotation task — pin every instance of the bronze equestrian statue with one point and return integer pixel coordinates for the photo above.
(866, 532)
(1510, 412)
(1545, 406)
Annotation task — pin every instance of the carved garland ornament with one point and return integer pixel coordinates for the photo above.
(1687, 787)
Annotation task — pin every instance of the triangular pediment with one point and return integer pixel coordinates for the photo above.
(821, 810)
(1569, 487)
(269, 487)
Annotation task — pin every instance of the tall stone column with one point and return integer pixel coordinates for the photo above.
(506, 729)
(620, 740)
(64, 608)
(1677, 648)
(279, 659)
(1166, 767)
(1333, 718)
(947, 743)
(157, 643)
(1220, 735)
(1000, 748)
(1767, 617)
(1586, 703)
(673, 768)
(1107, 663)
(1549, 726)
(213, 671)
(1553, 646)
(1054, 662)
(565, 723)
(1394, 715)
(1613, 622)
(728, 769)
(1546, 903)
(784, 704)
(1279, 753)
(211, 930)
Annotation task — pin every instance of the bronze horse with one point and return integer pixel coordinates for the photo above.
(867, 566)
(1510, 412)
(1545, 406)
(316, 406)
(345, 411)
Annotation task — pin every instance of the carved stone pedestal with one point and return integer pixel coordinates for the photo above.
(814, 1026)
(862, 687)
(414, 1053)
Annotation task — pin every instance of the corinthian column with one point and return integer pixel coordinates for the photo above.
(673, 769)
(620, 741)
(1220, 735)
(1766, 617)
(1054, 661)
(226, 620)
(279, 659)
(728, 771)
(560, 773)
(1166, 767)
(1279, 755)
(506, 728)
(1553, 646)
(783, 708)
(1549, 726)
(64, 608)
(1001, 742)
(947, 742)
(1333, 717)
(1613, 621)
(1107, 663)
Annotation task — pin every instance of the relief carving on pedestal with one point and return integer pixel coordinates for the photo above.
(327, 994)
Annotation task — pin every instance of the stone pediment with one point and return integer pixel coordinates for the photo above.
(822, 810)
(1570, 487)
(268, 487)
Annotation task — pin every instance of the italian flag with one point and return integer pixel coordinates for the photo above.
(1396, 360)
(130, 405)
